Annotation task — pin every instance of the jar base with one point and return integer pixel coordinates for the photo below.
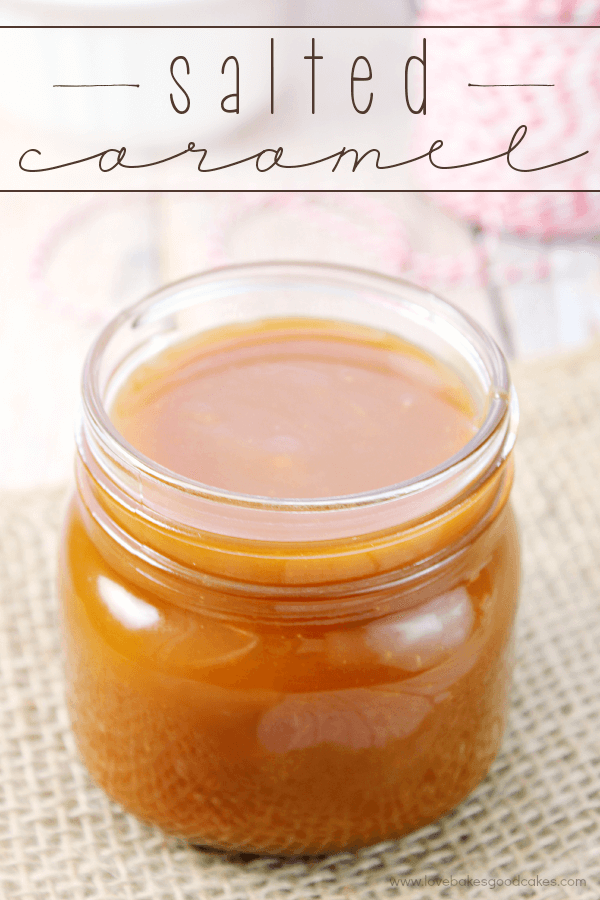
(246, 853)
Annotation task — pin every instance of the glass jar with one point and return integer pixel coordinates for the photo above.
(278, 675)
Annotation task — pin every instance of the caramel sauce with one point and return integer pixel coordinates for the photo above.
(295, 409)
(268, 732)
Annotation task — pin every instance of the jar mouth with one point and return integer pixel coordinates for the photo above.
(160, 315)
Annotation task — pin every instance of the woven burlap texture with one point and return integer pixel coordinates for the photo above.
(535, 817)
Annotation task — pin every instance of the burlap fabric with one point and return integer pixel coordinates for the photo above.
(535, 818)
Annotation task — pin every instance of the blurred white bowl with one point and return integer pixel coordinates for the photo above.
(99, 55)
(143, 12)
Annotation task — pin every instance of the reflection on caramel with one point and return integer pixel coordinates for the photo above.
(274, 733)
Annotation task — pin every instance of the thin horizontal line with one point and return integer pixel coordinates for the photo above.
(121, 190)
(510, 85)
(304, 27)
(95, 85)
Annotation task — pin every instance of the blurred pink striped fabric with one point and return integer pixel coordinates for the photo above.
(561, 121)
(510, 12)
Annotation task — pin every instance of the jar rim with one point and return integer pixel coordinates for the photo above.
(502, 405)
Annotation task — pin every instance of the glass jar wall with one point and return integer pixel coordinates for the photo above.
(290, 674)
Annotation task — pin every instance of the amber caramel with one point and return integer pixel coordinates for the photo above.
(303, 408)
(290, 696)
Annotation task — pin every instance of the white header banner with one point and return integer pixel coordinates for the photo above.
(156, 108)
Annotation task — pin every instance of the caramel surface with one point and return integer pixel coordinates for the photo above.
(300, 409)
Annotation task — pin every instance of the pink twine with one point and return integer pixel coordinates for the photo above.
(382, 231)
(355, 219)
(50, 245)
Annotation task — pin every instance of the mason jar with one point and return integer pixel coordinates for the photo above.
(280, 674)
